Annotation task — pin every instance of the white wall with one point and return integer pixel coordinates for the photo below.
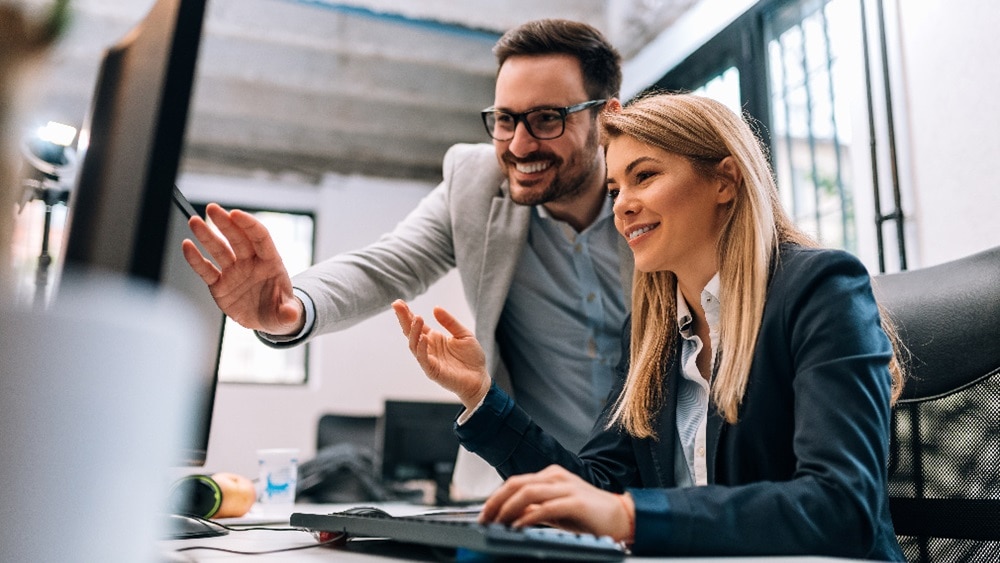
(351, 372)
(950, 83)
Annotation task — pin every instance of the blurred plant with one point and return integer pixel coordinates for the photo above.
(19, 31)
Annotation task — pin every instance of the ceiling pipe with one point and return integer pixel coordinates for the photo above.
(428, 24)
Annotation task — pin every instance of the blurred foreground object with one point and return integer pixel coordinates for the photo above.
(26, 33)
(96, 395)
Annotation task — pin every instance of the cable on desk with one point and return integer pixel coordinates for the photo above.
(240, 527)
(336, 540)
(324, 539)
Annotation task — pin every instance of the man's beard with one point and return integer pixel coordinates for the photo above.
(570, 180)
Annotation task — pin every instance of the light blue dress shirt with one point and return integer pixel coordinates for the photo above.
(560, 330)
(693, 390)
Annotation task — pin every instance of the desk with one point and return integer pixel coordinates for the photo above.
(362, 551)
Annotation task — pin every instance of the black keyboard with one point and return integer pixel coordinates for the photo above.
(490, 539)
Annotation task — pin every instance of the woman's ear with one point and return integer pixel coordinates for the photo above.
(731, 177)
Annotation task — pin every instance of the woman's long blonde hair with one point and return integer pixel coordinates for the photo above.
(705, 132)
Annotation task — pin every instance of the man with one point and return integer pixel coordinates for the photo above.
(528, 225)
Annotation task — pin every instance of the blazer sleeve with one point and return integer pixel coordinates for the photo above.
(351, 287)
(820, 314)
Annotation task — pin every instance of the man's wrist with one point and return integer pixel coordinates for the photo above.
(308, 321)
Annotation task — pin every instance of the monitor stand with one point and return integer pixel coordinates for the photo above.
(180, 527)
(442, 482)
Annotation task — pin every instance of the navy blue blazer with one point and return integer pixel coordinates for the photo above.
(803, 471)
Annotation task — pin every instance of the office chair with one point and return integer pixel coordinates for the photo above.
(342, 428)
(944, 466)
(345, 468)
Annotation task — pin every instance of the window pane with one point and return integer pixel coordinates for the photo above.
(244, 358)
(808, 58)
(724, 87)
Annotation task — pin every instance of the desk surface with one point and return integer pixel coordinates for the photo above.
(306, 548)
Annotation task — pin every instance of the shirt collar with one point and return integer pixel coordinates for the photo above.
(709, 303)
(568, 231)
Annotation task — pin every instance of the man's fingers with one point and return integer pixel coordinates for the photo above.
(256, 234)
(290, 312)
(216, 246)
(201, 265)
(240, 244)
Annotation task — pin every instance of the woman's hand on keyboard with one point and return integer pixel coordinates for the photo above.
(556, 497)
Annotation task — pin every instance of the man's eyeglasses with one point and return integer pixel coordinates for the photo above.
(542, 123)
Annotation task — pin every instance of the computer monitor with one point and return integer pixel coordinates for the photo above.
(419, 443)
(125, 214)
(132, 142)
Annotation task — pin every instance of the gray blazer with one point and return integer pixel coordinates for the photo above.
(467, 222)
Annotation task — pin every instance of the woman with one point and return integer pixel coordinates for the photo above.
(751, 412)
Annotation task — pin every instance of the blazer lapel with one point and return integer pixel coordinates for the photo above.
(713, 436)
(664, 448)
(506, 235)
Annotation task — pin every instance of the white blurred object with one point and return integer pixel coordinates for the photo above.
(94, 398)
(277, 476)
(473, 478)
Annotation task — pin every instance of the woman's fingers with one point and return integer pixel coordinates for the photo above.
(559, 510)
(505, 504)
(403, 315)
(451, 324)
(408, 322)
(550, 496)
(557, 497)
(414, 330)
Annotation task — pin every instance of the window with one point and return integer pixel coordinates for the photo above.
(811, 55)
(724, 87)
(802, 70)
(244, 359)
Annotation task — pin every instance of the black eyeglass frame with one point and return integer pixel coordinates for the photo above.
(523, 118)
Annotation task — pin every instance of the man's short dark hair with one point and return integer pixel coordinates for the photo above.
(599, 60)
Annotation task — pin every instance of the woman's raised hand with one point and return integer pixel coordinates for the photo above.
(454, 361)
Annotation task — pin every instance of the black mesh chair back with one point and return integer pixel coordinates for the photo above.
(944, 466)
